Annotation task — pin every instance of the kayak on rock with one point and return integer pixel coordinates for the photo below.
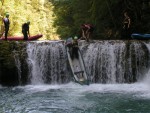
(140, 36)
(19, 38)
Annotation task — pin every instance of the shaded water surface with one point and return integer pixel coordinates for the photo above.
(74, 98)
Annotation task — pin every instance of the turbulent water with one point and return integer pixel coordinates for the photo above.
(74, 98)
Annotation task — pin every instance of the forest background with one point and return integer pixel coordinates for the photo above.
(60, 19)
(105, 15)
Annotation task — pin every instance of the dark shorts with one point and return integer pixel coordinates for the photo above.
(25, 36)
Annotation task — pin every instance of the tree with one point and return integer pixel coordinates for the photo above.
(105, 15)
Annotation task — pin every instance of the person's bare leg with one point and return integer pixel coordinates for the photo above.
(86, 35)
(83, 34)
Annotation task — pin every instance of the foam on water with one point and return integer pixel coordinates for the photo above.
(38, 88)
(75, 98)
(137, 89)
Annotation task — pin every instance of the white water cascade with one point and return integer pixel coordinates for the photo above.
(147, 77)
(46, 61)
(106, 61)
(116, 61)
(101, 60)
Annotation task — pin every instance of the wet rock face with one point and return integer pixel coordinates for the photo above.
(110, 61)
(8, 70)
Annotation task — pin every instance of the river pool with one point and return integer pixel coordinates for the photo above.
(74, 98)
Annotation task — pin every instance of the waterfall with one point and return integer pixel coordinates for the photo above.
(147, 77)
(115, 61)
(47, 62)
(102, 60)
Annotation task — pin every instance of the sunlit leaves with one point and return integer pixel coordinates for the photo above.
(38, 12)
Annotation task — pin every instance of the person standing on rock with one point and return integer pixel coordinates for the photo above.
(126, 25)
(25, 30)
(6, 24)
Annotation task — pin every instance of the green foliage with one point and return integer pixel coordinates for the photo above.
(105, 15)
(66, 16)
(39, 12)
